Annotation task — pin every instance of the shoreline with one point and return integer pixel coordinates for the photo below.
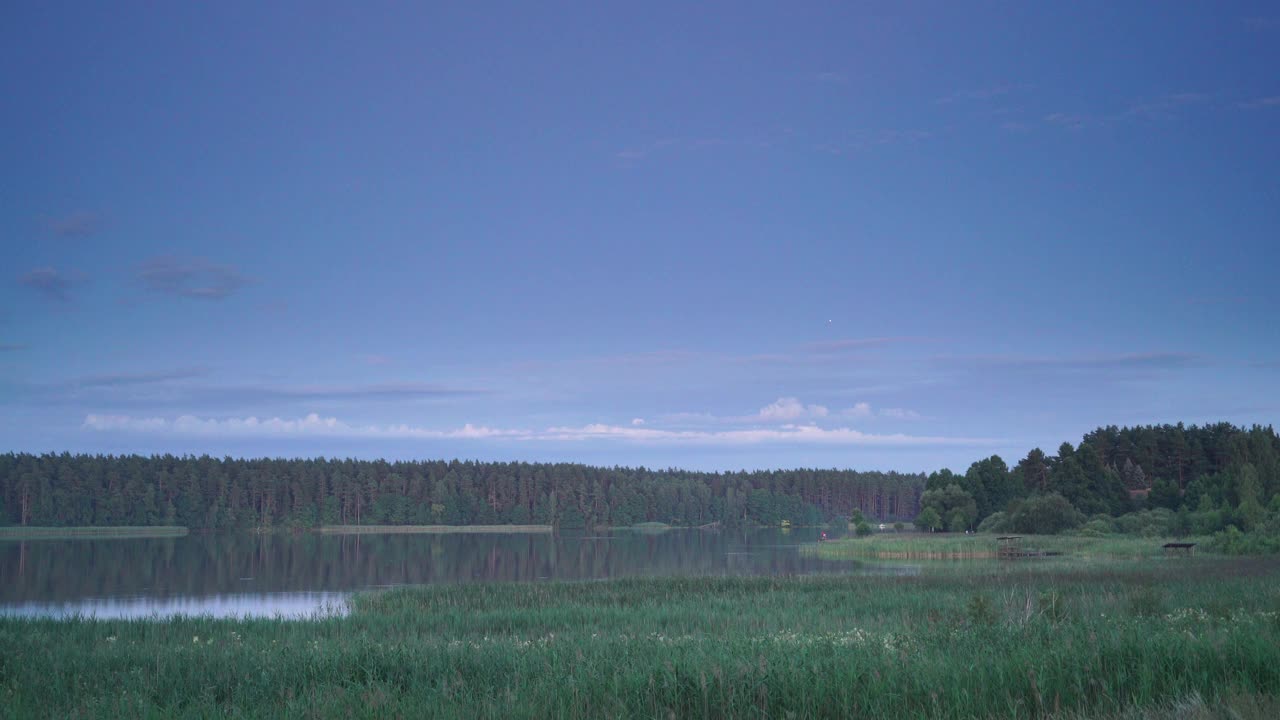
(428, 529)
(20, 532)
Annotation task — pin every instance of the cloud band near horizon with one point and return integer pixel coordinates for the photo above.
(313, 425)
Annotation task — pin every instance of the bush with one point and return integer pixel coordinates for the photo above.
(863, 529)
(996, 522)
(980, 611)
(1045, 515)
(1159, 522)
(1106, 523)
(1264, 540)
(1097, 528)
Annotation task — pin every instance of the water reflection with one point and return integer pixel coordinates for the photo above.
(286, 605)
(292, 575)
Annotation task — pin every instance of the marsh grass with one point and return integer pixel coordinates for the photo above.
(1057, 639)
(95, 533)
(948, 546)
(428, 529)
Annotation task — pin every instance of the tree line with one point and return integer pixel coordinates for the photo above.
(205, 493)
(1196, 479)
(1221, 474)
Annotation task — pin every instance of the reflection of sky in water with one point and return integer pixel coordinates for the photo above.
(286, 605)
(244, 575)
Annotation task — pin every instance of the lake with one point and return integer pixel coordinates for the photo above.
(299, 575)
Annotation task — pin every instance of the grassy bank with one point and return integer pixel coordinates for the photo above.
(403, 529)
(947, 546)
(992, 640)
(97, 533)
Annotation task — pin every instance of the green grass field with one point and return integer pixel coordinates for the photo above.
(1123, 638)
(96, 533)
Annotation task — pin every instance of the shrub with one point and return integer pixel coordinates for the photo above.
(1097, 528)
(980, 611)
(1045, 515)
(996, 522)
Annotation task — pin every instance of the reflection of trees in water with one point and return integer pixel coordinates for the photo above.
(238, 563)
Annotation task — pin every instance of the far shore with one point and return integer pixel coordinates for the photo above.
(428, 529)
(20, 532)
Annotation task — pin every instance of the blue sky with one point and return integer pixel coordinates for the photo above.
(881, 236)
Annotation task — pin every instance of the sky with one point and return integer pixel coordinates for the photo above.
(894, 236)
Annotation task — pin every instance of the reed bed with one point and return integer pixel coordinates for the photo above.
(955, 546)
(979, 640)
(429, 529)
(96, 533)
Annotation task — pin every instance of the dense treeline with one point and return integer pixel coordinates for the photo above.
(1213, 475)
(206, 492)
(1172, 479)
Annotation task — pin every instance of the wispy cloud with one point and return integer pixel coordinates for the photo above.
(865, 411)
(385, 391)
(1217, 300)
(143, 378)
(1164, 106)
(990, 92)
(313, 425)
(78, 224)
(51, 283)
(789, 409)
(1149, 108)
(181, 388)
(848, 344)
(190, 278)
(1128, 361)
(651, 357)
(859, 410)
(828, 352)
(1262, 24)
(1071, 121)
(1261, 103)
(870, 140)
(643, 151)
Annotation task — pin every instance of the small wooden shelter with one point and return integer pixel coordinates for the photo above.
(1179, 548)
(1009, 546)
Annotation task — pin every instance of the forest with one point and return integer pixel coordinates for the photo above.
(205, 493)
(1228, 473)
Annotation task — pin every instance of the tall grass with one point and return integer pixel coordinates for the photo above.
(958, 546)
(26, 532)
(429, 529)
(976, 641)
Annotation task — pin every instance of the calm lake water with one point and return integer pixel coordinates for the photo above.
(299, 575)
